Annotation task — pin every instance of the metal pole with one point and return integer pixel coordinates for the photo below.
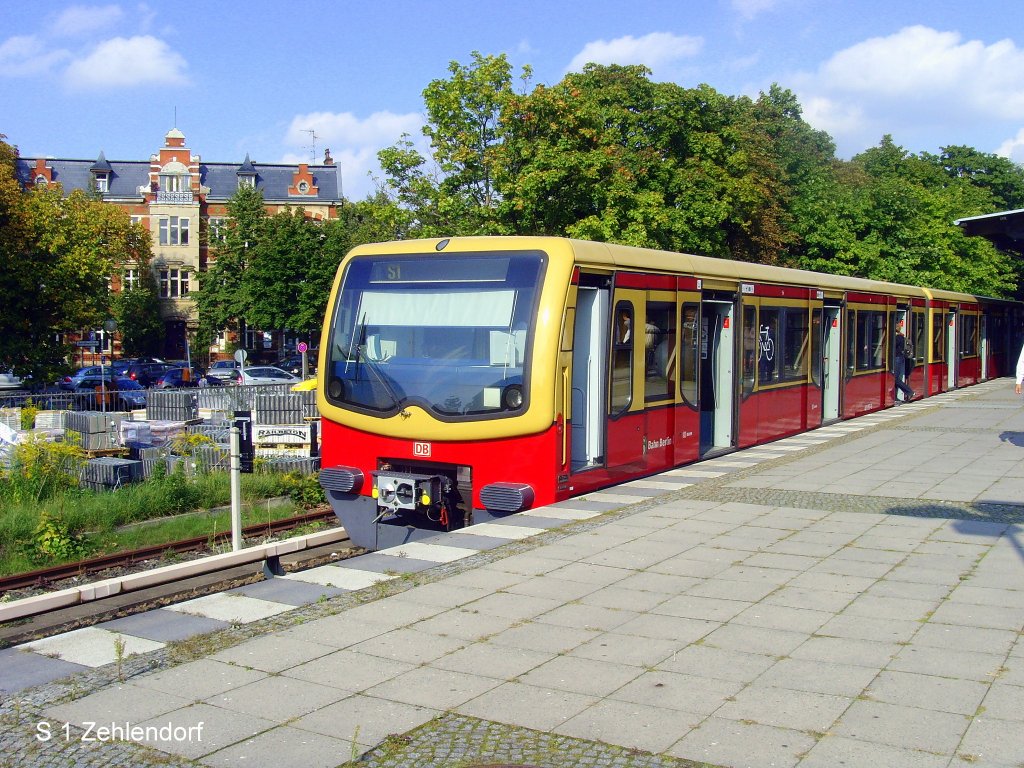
(236, 489)
(103, 377)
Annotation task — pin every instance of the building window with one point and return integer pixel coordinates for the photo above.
(218, 229)
(174, 230)
(173, 182)
(246, 181)
(173, 283)
(40, 181)
(131, 280)
(303, 188)
(102, 181)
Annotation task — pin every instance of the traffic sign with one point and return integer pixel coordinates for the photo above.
(302, 346)
(87, 344)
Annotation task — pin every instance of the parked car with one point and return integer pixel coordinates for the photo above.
(147, 374)
(293, 363)
(9, 381)
(265, 374)
(226, 370)
(122, 393)
(69, 382)
(178, 377)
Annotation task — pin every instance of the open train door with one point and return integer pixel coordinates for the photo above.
(831, 363)
(589, 364)
(717, 374)
(951, 349)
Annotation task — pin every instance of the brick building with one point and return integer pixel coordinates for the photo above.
(182, 200)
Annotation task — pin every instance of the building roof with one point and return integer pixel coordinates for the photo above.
(127, 176)
(1004, 228)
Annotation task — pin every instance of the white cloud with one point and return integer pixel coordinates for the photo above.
(82, 20)
(1013, 148)
(916, 79)
(749, 9)
(656, 50)
(126, 62)
(26, 55)
(353, 142)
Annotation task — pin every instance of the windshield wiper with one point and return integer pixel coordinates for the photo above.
(360, 350)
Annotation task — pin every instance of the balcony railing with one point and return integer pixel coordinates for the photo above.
(175, 198)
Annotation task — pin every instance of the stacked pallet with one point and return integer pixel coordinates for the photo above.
(172, 405)
(96, 431)
(109, 472)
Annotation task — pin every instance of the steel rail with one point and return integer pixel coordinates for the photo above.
(46, 576)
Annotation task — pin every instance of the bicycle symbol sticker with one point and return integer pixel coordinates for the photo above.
(767, 345)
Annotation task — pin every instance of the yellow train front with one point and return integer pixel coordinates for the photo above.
(462, 380)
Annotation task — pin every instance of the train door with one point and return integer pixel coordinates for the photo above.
(983, 344)
(831, 366)
(589, 363)
(951, 349)
(717, 375)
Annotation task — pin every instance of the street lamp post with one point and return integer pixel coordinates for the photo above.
(109, 326)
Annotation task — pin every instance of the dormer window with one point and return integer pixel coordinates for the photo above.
(102, 181)
(303, 188)
(246, 181)
(41, 181)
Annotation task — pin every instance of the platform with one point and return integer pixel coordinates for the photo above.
(851, 596)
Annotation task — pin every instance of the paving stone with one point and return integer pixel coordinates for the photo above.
(433, 687)
(907, 727)
(528, 706)
(232, 608)
(722, 741)
(288, 748)
(941, 694)
(272, 653)
(277, 697)
(349, 670)
(163, 626)
(20, 669)
(630, 725)
(91, 646)
(201, 678)
(832, 751)
(366, 720)
(290, 592)
(207, 729)
(108, 705)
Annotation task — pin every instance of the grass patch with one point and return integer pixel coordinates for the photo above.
(46, 520)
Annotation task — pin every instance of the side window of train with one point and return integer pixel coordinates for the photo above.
(768, 362)
(795, 344)
(938, 337)
(968, 335)
(871, 340)
(918, 335)
(750, 348)
(816, 342)
(689, 345)
(622, 358)
(851, 342)
(660, 351)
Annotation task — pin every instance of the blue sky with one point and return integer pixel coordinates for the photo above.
(256, 77)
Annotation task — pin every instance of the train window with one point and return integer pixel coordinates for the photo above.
(795, 344)
(768, 340)
(660, 351)
(750, 348)
(622, 358)
(938, 337)
(816, 339)
(851, 342)
(917, 335)
(689, 339)
(968, 335)
(871, 340)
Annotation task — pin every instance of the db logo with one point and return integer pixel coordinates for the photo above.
(421, 449)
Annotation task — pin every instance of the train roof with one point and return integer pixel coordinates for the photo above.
(613, 255)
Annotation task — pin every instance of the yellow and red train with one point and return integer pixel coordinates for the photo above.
(465, 379)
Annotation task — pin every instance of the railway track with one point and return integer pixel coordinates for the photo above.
(45, 577)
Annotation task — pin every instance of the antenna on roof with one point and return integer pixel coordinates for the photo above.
(312, 152)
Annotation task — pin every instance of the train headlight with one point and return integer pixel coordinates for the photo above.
(512, 397)
(336, 388)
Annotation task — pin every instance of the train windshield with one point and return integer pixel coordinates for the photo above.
(451, 334)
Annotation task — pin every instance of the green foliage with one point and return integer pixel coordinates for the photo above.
(52, 541)
(40, 470)
(137, 311)
(28, 414)
(304, 490)
(57, 255)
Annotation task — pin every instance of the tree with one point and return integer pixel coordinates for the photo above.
(137, 311)
(59, 254)
(222, 301)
